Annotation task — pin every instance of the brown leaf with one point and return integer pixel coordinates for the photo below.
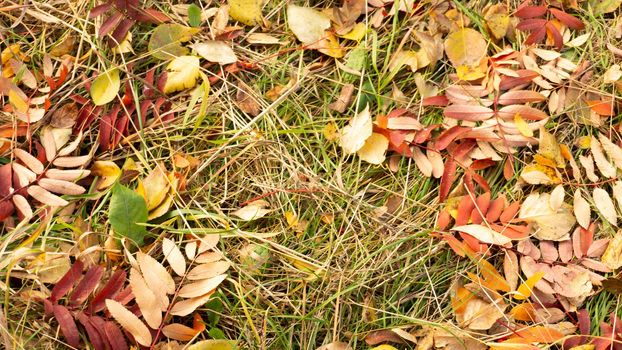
(129, 322)
(208, 270)
(344, 99)
(246, 101)
(146, 299)
(383, 336)
(520, 96)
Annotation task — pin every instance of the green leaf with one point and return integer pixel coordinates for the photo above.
(216, 333)
(105, 87)
(194, 15)
(165, 42)
(127, 211)
(600, 7)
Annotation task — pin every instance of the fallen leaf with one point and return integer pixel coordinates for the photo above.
(605, 206)
(252, 211)
(179, 332)
(174, 256)
(612, 257)
(309, 25)
(146, 299)
(612, 74)
(483, 234)
(554, 225)
(246, 11)
(354, 135)
(105, 87)
(526, 288)
(129, 322)
(213, 344)
(374, 149)
(215, 51)
(465, 46)
(165, 41)
(581, 209)
(183, 72)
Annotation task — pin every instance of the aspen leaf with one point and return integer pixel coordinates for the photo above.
(605, 206)
(215, 51)
(174, 256)
(581, 209)
(612, 257)
(105, 87)
(309, 25)
(374, 149)
(129, 322)
(183, 72)
(465, 46)
(246, 11)
(354, 135)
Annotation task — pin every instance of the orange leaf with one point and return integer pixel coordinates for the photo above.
(540, 334)
(601, 107)
(523, 312)
(492, 277)
(526, 288)
(460, 300)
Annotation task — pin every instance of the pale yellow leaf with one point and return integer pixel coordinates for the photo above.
(156, 185)
(612, 257)
(578, 41)
(354, 135)
(146, 299)
(437, 162)
(157, 278)
(173, 255)
(252, 211)
(581, 209)
(200, 288)
(613, 151)
(617, 193)
(605, 206)
(522, 126)
(557, 197)
(601, 161)
(213, 344)
(105, 87)
(183, 72)
(612, 74)
(61, 186)
(357, 33)
(588, 164)
(548, 224)
(129, 322)
(483, 234)
(374, 149)
(208, 270)
(306, 23)
(215, 51)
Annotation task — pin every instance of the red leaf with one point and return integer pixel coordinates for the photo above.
(150, 15)
(530, 25)
(510, 212)
(6, 179)
(524, 76)
(87, 285)
(67, 325)
(569, 20)
(94, 336)
(584, 321)
(520, 96)
(115, 336)
(601, 107)
(495, 210)
(586, 237)
(448, 178)
(508, 168)
(447, 136)
(459, 151)
(67, 281)
(424, 135)
(109, 291)
(530, 11)
(109, 24)
(105, 128)
(100, 9)
(481, 164)
(526, 112)
(468, 112)
(536, 36)
(440, 101)
(443, 220)
(554, 33)
(481, 181)
(120, 32)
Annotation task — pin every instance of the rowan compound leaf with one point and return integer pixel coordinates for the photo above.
(246, 11)
(605, 206)
(105, 87)
(183, 72)
(129, 322)
(465, 46)
(165, 42)
(374, 149)
(581, 209)
(127, 212)
(354, 135)
(215, 51)
(307, 24)
(174, 256)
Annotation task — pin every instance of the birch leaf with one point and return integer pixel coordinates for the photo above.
(307, 24)
(465, 46)
(246, 11)
(215, 51)
(105, 87)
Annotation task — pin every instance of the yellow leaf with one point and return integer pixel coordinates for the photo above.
(536, 174)
(105, 87)
(329, 45)
(374, 149)
(156, 186)
(357, 33)
(526, 288)
(584, 142)
(549, 148)
(404, 58)
(330, 131)
(522, 126)
(246, 11)
(497, 24)
(125, 45)
(384, 347)
(183, 72)
(468, 72)
(165, 42)
(492, 277)
(465, 46)
(108, 171)
(213, 344)
(18, 102)
(307, 24)
(612, 257)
